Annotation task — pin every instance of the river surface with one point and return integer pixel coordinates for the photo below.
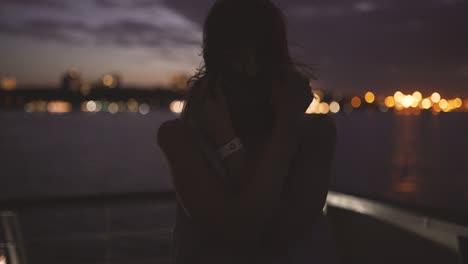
(416, 160)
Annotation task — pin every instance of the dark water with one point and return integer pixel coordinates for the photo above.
(415, 161)
(419, 161)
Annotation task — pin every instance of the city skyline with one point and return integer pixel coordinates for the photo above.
(382, 45)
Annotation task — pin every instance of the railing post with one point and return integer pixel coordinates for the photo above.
(463, 249)
(10, 246)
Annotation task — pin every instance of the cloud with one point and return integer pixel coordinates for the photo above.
(136, 33)
(365, 6)
(119, 33)
(45, 30)
(35, 3)
(127, 3)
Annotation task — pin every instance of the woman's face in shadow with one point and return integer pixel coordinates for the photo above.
(246, 62)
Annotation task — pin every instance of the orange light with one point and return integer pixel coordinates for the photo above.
(58, 107)
(356, 102)
(443, 104)
(435, 97)
(417, 96)
(8, 83)
(407, 101)
(369, 97)
(389, 102)
(426, 103)
(318, 94)
(109, 81)
(324, 108)
(313, 107)
(436, 108)
(458, 102)
(398, 96)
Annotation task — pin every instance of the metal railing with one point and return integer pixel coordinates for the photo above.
(11, 243)
(444, 233)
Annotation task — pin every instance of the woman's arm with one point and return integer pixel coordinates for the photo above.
(237, 218)
(308, 187)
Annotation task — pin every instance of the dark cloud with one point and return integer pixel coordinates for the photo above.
(35, 3)
(127, 3)
(195, 12)
(60, 31)
(120, 33)
(129, 33)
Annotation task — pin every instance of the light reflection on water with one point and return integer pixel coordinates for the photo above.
(414, 160)
(405, 175)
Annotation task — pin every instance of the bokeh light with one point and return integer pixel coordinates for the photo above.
(435, 97)
(426, 103)
(417, 96)
(113, 108)
(458, 102)
(177, 106)
(144, 109)
(389, 102)
(58, 107)
(398, 96)
(323, 108)
(334, 107)
(356, 102)
(8, 83)
(443, 104)
(91, 106)
(313, 107)
(132, 105)
(407, 101)
(109, 81)
(369, 97)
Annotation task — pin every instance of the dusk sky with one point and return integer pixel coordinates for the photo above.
(380, 45)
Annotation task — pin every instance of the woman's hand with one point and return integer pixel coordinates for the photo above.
(214, 117)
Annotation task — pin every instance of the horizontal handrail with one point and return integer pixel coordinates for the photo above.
(108, 235)
(442, 232)
(437, 230)
(93, 200)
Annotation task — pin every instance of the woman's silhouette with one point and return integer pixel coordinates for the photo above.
(250, 169)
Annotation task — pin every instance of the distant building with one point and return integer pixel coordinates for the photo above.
(71, 80)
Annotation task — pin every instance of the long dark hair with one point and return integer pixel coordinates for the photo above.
(244, 32)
